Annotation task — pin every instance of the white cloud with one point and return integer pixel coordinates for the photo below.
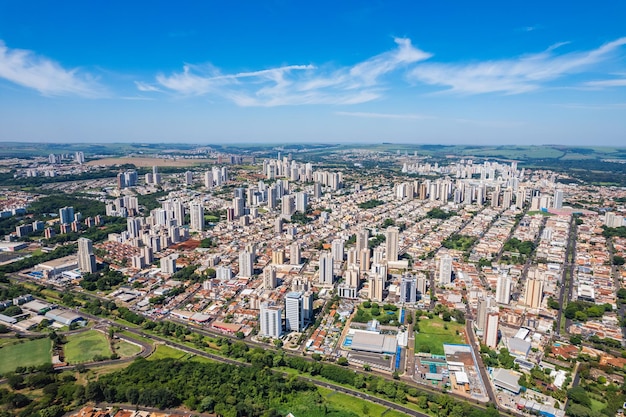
(384, 115)
(29, 70)
(513, 76)
(617, 82)
(146, 87)
(294, 84)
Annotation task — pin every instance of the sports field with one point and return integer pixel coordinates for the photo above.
(82, 347)
(433, 333)
(31, 353)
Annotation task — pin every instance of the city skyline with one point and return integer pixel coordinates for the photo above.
(355, 72)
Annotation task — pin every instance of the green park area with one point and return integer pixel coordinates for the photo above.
(168, 352)
(125, 349)
(84, 346)
(433, 333)
(23, 354)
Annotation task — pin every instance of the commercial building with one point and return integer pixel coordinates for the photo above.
(294, 311)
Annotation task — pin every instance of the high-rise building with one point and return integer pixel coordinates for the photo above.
(337, 249)
(484, 305)
(271, 318)
(503, 289)
(278, 257)
(287, 208)
(326, 268)
(307, 306)
(364, 260)
(302, 202)
(188, 178)
(238, 206)
(445, 269)
(246, 264)
(294, 254)
(408, 289)
(66, 215)
(133, 225)
(86, 257)
(294, 311)
(362, 239)
(168, 264)
(558, 199)
(421, 285)
(269, 277)
(490, 335)
(196, 216)
(376, 287)
(80, 157)
(391, 243)
(353, 257)
(534, 293)
(223, 273)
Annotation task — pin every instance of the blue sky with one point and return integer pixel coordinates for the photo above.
(449, 72)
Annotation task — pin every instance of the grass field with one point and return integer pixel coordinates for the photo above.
(597, 405)
(31, 353)
(82, 347)
(125, 349)
(433, 334)
(164, 352)
(358, 406)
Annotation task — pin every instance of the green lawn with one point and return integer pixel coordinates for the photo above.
(82, 347)
(125, 349)
(164, 352)
(597, 405)
(31, 353)
(358, 406)
(433, 334)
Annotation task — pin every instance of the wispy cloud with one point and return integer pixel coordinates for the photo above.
(586, 106)
(295, 84)
(513, 76)
(616, 82)
(385, 115)
(146, 87)
(529, 28)
(30, 70)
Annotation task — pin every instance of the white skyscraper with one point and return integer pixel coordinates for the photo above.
(86, 258)
(133, 225)
(168, 264)
(271, 319)
(326, 269)
(246, 264)
(196, 214)
(208, 179)
(337, 249)
(391, 243)
(558, 199)
(188, 178)
(294, 311)
(490, 335)
(445, 269)
(503, 289)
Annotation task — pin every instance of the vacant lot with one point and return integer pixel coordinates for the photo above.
(435, 332)
(31, 353)
(149, 162)
(82, 347)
